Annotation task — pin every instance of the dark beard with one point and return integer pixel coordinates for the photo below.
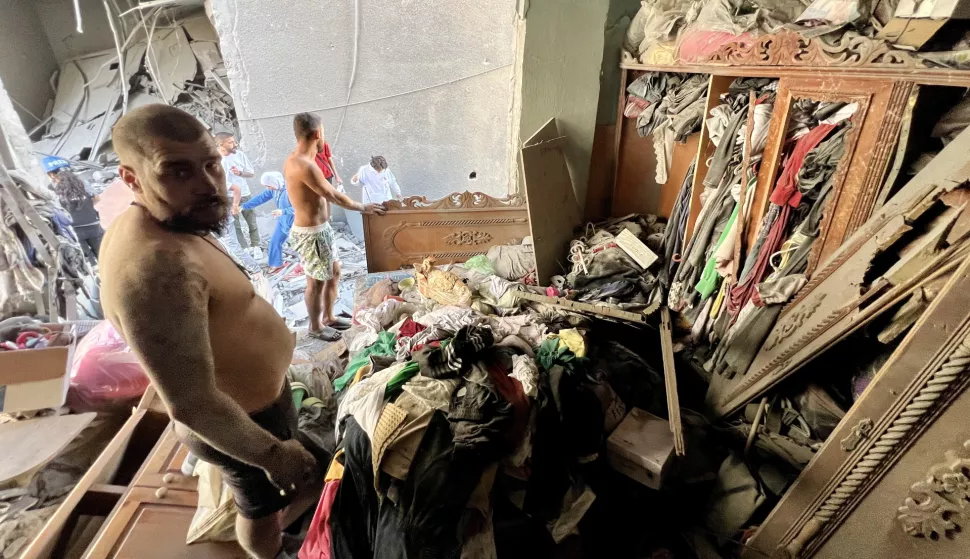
(186, 223)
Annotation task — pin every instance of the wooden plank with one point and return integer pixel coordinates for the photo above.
(44, 543)
(553, 212)
(923, 375)
(705, 149)
(582, 307)
(928, 76)
(601, 169)
(670, 381)
(28, 445)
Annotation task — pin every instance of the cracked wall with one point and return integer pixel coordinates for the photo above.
(432, 92)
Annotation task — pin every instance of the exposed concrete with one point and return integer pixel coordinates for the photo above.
(432, 93)
(26, 59)
(561, 61)
(618, 20)
(57, 17)
(16, 151)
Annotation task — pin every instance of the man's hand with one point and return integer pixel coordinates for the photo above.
(276, 213)
(235, 170)
(291, 468)
(373, 209)
(236, 210)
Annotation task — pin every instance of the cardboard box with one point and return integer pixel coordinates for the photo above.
(915, 22)
(641, 448)
(33, 379)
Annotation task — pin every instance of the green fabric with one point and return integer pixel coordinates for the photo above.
(710, 279)
(480, 263)
(551, 353)
(397, 381)
(383, 346)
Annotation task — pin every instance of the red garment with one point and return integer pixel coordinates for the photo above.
(317, 542)
(323, 161)
(786, 189)
(787, 196)
(410, 328)
(511, 389)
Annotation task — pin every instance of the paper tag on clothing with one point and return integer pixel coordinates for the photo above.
(636, 249)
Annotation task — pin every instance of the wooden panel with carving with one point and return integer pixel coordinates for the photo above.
(452, 229)
(863, 167)
(892, 479)
(840, 296)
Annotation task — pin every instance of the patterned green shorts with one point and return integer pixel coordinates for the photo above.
(315, 247)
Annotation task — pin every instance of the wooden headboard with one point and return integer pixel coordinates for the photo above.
(452, 229)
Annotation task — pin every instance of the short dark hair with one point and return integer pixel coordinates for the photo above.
(378, 162)
(305, 124)
(131, 134)
(223, 136)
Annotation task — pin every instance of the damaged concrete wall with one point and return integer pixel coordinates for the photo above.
(432, 92)
(561, 59)
(60, 26)
(26, 59)
(16, 151)
(618, 20)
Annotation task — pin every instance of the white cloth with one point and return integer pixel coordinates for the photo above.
(241, 162)
(273, 179)
(365, 400)
(376, 186)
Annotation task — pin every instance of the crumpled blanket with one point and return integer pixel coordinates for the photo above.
(513, 262)
(444, 287)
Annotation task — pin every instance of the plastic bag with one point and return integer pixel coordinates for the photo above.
(215, 517)
(105, 372)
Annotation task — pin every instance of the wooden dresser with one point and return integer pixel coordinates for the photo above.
(153, 517)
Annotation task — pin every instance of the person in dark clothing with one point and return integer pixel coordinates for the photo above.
(79, 199)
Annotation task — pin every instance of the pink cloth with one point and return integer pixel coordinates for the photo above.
(317, 542)
(698, 46)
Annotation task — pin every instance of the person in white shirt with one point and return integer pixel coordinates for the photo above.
(377, 182)
(238, 168)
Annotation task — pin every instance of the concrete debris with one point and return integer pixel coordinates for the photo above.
(177, 63)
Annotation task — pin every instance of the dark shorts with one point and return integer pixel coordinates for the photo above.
(255, 496)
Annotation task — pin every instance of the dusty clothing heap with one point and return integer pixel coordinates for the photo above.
(463, 433)
(669, 106)
(604, 272)
(696, 275)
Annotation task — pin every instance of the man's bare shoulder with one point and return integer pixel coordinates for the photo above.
(142, 260)
(296, 167)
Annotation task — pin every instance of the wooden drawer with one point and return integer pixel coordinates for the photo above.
(152, 524)
(164, 466)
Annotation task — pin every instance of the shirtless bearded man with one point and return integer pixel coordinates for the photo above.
(311, 236)
(216, 352)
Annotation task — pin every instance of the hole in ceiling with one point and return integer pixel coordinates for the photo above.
(472, 176)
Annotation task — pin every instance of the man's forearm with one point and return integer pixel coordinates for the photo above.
(224, 425)
(346, 202)
(236, 195)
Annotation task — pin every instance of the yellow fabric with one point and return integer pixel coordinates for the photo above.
(716, 305)
(572, 339)
(336, 470)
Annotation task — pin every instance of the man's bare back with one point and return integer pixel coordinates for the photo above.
(251, 345)
(309, 207)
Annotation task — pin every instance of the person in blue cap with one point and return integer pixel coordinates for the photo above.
(275, 190)
(78, 198)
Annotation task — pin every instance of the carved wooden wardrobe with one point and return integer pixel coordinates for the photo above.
(893, 479)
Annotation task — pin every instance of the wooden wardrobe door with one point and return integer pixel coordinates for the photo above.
(905, 430)
(164, 466)
(152, 524)
(860, 174)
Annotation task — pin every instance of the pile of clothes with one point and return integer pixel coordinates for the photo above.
(602, 272)
(773, 269)
(671, 107)
(696, 273)
(465, 420)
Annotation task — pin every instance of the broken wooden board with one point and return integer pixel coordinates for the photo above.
(670, 381)
(840, 297)
(857, 482)
(29, 445)
(553, 210)
(601, 310)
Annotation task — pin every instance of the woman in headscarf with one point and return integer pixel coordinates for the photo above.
(77, 198)
(377, 182)
(275, 190)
